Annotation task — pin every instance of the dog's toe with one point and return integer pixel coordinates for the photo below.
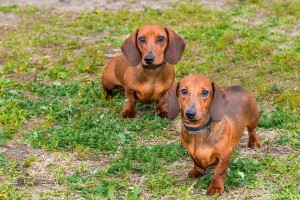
(254, 144)
(195, 174)
(163, 114)
(215, 187)
(128, 114)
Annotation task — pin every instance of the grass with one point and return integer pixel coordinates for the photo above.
(51, 101)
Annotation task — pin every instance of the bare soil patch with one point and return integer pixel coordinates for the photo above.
(9, 19)
(134, 5)
(44, 167)
(269, 145)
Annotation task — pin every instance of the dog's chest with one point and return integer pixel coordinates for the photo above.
(151, 90)
(202, 154)
(149, 85)
(204, 157)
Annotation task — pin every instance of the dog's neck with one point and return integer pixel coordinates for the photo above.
(208, 136)
(198, 129)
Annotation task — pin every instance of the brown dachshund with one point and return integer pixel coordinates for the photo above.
(213, 123)
(145, 70)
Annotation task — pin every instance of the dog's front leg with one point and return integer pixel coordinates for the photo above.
(161, 106)
(197, 171)
(129, 109)
(217, 184)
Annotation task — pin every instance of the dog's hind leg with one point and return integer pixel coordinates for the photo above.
(109, 82)
(253, 138)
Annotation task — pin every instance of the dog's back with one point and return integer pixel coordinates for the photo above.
(113, 73)
(241, 108)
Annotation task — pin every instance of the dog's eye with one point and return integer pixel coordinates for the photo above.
(183, 92)
(160, 39)
(142, 40)
(204, 93)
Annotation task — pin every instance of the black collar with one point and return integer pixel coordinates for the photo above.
(199, 128)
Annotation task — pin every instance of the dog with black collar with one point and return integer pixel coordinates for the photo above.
(213, 122)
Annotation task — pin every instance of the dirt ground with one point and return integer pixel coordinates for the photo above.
(84, 6)
(77, 6)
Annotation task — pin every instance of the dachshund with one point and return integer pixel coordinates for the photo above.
(145, 70)
(213, 122)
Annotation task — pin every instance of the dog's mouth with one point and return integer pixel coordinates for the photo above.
(151, 66)
(194, 121)
(191, 122)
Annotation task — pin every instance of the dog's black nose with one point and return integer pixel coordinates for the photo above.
(190, 113)
(149, 59)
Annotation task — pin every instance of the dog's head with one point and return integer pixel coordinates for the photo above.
(152, 46)
(198, 98)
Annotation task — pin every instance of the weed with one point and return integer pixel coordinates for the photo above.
(4, 135)
(7, 9)
(279, 118)
(147, 159)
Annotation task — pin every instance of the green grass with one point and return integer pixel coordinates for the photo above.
(51, 99)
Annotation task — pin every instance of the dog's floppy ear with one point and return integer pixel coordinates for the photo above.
(130, 49)
(218, 104)
(172, 101)
(175, 48)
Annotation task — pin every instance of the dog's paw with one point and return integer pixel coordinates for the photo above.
(128, 113)
(108, 94)
(215, 188)
(195, 173)
(254, 144)
(108, 97)
(163, 114)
